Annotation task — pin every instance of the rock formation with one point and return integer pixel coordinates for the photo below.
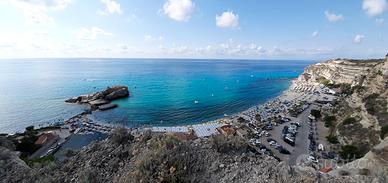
(101, 100)
(366, 101)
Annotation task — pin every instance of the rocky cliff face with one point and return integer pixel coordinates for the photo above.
(343, 70)
(367, 103)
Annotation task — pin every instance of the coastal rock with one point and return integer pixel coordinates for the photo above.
(107, 107)
(117, 94)
(100, 100)
(102, 97)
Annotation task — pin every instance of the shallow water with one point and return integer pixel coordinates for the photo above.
(163, 91)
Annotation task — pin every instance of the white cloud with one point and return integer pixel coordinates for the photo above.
(379, 21)
(179, 10)
(147, 38)
(36, 11)
(111, 7)
(374, 7)
(333, 17)
(91, 33)
(358, 38)
(315, 34)
(227, 20)
(153, 38)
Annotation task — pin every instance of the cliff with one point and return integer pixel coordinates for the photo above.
(365, 102)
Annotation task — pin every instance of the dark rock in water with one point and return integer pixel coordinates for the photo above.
(100, 98)
(99, 102)
(117, 94)
(107, 107)
(74, 100)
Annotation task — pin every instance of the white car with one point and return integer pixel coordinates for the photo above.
(273, 143)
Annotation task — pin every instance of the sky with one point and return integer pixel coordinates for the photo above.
(235, 29)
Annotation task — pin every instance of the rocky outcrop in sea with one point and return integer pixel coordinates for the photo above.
(101, 100)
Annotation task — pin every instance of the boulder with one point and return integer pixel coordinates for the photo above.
(117, 94)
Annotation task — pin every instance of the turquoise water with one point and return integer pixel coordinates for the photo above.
(163, 91)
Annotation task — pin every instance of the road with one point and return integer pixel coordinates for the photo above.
(301, 141)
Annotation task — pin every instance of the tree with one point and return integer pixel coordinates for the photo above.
(349, 121)
(316, 113)
(349, 152)
(329, 120)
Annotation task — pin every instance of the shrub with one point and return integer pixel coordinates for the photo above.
(364, 171)
(316, 113)
(349, 121)
(332, 139)
(343, 173)
(384, 132)
(346, 88)
(120, 135)
(323, 80)
(27, 145)
(370, 103)
(349, 152)
(69, 153)
(228, 144)
(329, 120)
(30, 128)
(39, 161)
(240, 120)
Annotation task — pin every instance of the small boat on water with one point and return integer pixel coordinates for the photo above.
(196, 101)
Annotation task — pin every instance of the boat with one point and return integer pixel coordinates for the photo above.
(196, 101)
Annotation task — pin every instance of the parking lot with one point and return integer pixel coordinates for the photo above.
(301, 138)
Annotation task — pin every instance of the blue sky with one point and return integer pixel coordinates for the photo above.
(252, 29)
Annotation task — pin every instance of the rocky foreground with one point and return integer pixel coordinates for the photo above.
(160, 158)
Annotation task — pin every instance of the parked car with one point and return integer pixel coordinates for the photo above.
(285, 129)
(296, 124)
(270, 139)
(289, 141)
(284, 151)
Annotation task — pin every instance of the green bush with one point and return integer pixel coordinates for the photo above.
(370, 103)
(349, 152)
(120, 135)
(240, 120)
(349, 121)
(42, 160)
(29, 128)
(384, 132)
(323, 80)
(332, 139)
(316, 113)
(329, 120)
(346, 88)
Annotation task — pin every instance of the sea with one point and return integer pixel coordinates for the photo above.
(163, 92)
